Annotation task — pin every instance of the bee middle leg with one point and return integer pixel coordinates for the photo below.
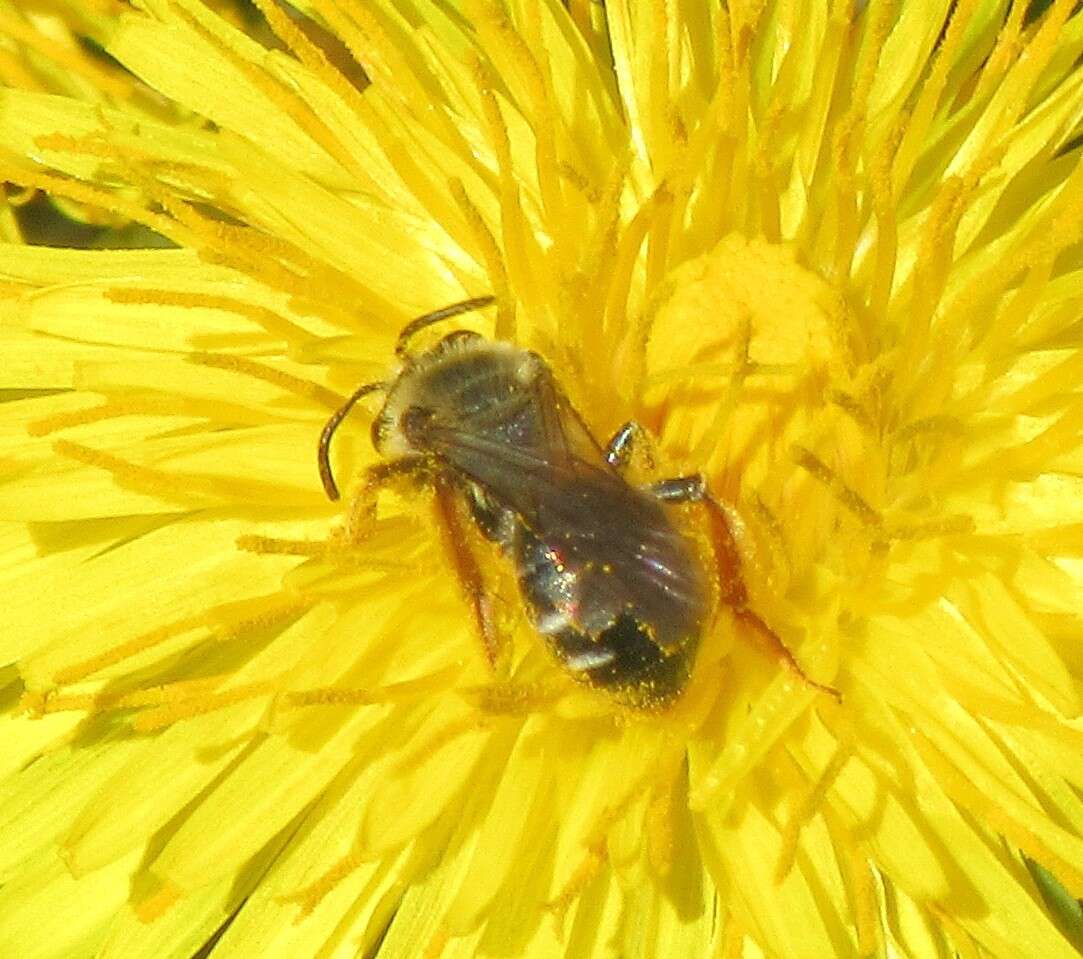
(631, 438)
(457, 544)
(732, 590)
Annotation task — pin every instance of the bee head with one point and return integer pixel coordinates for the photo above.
(414, 423)
(400, 428)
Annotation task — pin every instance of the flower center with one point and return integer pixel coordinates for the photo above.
(756, 374)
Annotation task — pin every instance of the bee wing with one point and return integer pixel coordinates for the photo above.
(628, 554)
(566, 437)
(535, 482)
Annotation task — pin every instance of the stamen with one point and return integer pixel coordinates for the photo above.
(513, 698)
(733, 940)
(371, 48)
(659, 230)
(310, 896)
(660, 820)
(437, 944)
(1012, 98)
(865, 902)
(58, 186)
(291, 384)
(198, 704)
(974, 309)
(37, 703)
(882, 200)
(493, 260)
(301, 46)
(263, 257)
(806, 808)
(520, 246)
(934, 255)
(624, 263)
(222, 622)
(916, 138)
(725, 107)
(114, 409)
(943, 424)
(399, 66)
(445, 735)
(692, 372)
(849, 134)
(959, 525)
(1007, 49)
(71, 58)
(596, 857)
(272, 322)
(156, 905)
(746, 18)
(658, 73)
(714, 433)
(406, 691)
(960, 938)
(546, 122)
(200, 179)
(185, 487)
(847, 496)
(852, 407)
(179, 691)
(780, 562)
(270, 546)
(515, 59)
(583, 16)
(596, 845)
(763, 166)
(288, 101)
(599, 259)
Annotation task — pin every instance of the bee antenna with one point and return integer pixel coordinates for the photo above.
(323, 452)
(444, 313)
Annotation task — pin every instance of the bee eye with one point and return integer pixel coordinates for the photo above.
(380, 427)
(414, 420)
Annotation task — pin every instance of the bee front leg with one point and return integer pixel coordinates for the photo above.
(726, 526)
(361, 511)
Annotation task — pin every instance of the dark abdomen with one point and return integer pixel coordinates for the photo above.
(616, 629)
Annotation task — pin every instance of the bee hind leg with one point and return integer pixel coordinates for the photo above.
(725, 528)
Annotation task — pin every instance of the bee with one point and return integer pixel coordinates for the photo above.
(620, 595)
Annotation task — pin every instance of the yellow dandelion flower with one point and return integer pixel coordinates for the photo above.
(827, 253)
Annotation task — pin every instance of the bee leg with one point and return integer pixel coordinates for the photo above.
(457, 544)
(732, 591)
(361, 512)
(622, 446)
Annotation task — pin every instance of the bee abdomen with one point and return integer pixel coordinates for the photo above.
(625, 661)
(622, 655)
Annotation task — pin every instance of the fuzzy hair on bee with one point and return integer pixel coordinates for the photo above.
(619, 594)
